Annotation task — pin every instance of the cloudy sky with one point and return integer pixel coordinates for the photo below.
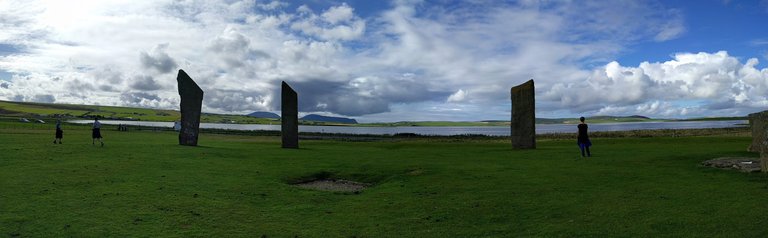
(393, 60)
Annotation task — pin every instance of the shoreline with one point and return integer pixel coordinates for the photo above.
(736, 131)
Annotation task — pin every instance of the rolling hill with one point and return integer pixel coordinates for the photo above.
(320, 118)
(70, 111)
(264, 115)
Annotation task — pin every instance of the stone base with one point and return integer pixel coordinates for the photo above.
(764, 164)
(758, 123)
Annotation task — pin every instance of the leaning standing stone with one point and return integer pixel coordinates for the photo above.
(191, 105)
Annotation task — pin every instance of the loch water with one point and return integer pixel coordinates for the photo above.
(450, 130)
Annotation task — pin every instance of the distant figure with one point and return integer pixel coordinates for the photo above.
(176, 125)
(583, 139)
(59, 132)
(97, 132)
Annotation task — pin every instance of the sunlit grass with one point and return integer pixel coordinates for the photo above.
(142, 184)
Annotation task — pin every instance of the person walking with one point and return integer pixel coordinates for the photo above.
(97, 132)
(59, 132)
(583, 139)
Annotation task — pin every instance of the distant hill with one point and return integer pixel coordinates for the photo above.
(638, 116)
(46, 111)
(315, 117)
(265, 115)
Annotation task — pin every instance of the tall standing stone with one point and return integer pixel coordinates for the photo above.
(191, 104)
(759, 123)
(290, 117)
(523, 122)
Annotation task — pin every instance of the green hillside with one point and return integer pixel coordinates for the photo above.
(592, 120)
(70, 111)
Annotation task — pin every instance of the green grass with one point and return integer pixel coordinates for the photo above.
(142, 184)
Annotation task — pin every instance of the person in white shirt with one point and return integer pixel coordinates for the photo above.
(97, 132)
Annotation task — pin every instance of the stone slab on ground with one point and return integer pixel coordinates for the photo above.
(742, 164)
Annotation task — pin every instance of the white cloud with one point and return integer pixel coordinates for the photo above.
(458, 96)
(410, 61)
(273, 5)
(712, 78)
(758, 42)
(336, 23)
(670, 31)
(338, 14)
(158, 59)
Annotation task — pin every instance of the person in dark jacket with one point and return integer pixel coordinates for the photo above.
(583, 139)
(59, 132)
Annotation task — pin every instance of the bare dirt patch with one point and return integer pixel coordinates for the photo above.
(742, 164)
(335, 185)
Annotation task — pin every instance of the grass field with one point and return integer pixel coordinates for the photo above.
(142, 184)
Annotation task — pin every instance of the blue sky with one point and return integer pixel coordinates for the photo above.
(394, 60)
(711, 26)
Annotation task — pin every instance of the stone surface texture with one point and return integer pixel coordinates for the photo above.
(757, 121)
(747, 165)
(759, 124)
(523, 121)
(290, 117)
(191, 105)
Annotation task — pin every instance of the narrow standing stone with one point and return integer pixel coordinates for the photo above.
(523, 121)
(290, 117)
(191, 104)
(759, 125)
(757, 122)
(763, 163)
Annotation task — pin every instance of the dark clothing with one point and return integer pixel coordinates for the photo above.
(583, 140)
(583, 137)
(96, 133)
(59, 133)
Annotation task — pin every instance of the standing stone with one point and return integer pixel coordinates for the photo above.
(290, 117)
(191, 104)
(523, 122)
(759, 123)
(763, 163)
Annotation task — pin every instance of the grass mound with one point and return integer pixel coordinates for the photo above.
(334, 185)
(332, 181)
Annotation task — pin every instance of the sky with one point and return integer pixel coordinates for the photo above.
(400, 60)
